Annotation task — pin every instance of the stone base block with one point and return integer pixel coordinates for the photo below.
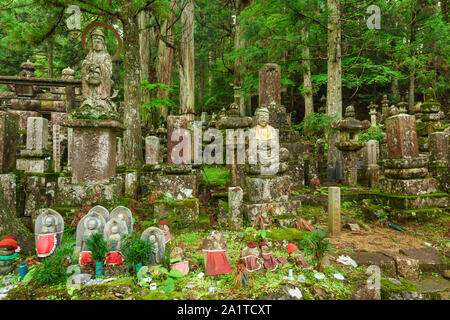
(262, 190)
(77, 195)
(33, 165)
(410, 187)
(179, 214)
(412, 173)
(93, 158)
(436, 200)
(180, 187)
(283, 213)
(386, 264)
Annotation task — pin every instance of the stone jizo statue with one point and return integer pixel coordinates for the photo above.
(155, 236)
(48, 229)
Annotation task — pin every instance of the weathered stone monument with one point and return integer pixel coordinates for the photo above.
(407, 184)
(9, 127)
(35, 158)
(268, 184)
(349, 144)
(95, 124)
(334, 211)
(368, 175)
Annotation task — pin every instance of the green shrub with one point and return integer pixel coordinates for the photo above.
(98, 246)
(314, 126)
(134, 250)
(373, 133)
(53, 270)
(315, 245)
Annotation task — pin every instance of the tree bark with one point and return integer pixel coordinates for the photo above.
(186, 66)
(395, 88)
(307, 84)
(334, 84)
(239, 43)
(145, 52)
(11, 224)
(132, 140)
(164, 60)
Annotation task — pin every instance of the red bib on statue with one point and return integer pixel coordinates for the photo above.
(46, 245)
(217, 263)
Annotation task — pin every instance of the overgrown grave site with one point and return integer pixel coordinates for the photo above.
(109, 190)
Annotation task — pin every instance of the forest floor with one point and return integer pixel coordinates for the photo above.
(372, 237)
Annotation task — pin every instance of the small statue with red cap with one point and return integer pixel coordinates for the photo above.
(164, 226)
(297, 256)
(215, 249)
(252, 257)
(270, 262)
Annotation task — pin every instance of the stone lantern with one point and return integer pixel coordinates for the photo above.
(349, 144)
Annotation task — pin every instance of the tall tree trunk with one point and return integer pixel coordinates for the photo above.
(164, 60)
(186, 62)
(395, 88)
(239, 43)
(334, 84)
(412, 76)
(210, 68)
(145, 52)
(201, 85)
(132, 140)
(307, 84)
(50, 58)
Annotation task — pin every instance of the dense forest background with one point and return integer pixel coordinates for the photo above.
(234, 38)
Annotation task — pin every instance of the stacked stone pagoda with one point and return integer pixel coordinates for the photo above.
(407, 184)
(349, 144)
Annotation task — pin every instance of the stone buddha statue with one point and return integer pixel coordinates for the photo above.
(96, 73)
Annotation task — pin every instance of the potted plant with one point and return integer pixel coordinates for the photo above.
(99, 247)
(136, 251)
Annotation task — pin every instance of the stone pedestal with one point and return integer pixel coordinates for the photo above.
(93, 158)
(334, 211)
(369, 175)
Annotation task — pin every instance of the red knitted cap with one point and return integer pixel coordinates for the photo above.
(251, 245)
(291, 248)
(164, 223)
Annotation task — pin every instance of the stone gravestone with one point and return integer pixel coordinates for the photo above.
(183, 144)
(155, 236)
(235, 199)
(36, 152)
(124, 214)
(48, 231)
(151, 150)
(370, 169)
(270, 85)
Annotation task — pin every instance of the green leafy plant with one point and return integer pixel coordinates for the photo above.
(98, 246)
(135, 250)
(348, 204)
(316, 245)
(258, 235)
(172, 278)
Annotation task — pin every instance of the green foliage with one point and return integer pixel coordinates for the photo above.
(348, 204)
(373, 133)
(256, 235)
(53, 270)
(98, 246)
(316, 245)
(172, 277)
(314, 126)
(216, 176)
(135, 250)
